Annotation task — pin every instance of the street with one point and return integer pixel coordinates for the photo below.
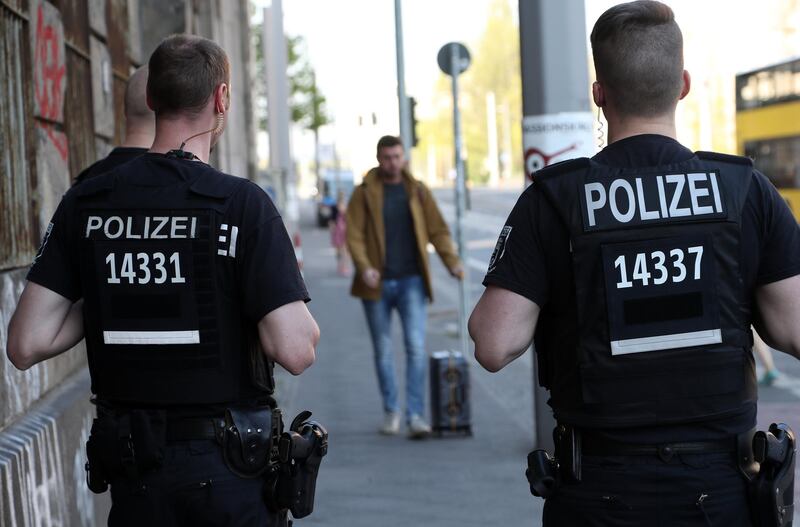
(369, 479)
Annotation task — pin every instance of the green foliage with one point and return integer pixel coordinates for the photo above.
(307, 103)
(495, 68)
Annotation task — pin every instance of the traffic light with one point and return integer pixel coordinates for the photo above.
(412, 104)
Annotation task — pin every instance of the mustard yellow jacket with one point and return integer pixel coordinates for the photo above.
(366, 237)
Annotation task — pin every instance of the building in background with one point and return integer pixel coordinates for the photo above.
(768, 125)
(63, 69)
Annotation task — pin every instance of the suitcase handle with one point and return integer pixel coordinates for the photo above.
(458, 392)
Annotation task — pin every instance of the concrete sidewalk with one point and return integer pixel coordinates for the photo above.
(368, 479)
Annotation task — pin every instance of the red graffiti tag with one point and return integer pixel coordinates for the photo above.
(49, 76)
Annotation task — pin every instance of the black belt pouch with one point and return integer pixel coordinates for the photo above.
(247, 440)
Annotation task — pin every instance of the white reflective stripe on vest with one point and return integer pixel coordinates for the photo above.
(664, 342)
(152, 337)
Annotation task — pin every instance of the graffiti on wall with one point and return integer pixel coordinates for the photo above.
(42, 456)
(21, 388)
(49, 71)
(102, 88)
(33, 468)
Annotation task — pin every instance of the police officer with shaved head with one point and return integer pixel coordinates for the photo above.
(140, 128)
(184, 283)
(637, 274)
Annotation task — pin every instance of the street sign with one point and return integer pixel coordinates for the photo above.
(445, 58)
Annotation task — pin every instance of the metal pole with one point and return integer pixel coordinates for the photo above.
(455, 61)
(405, 110)
(554, 80)
(491, 133)
(280, 153)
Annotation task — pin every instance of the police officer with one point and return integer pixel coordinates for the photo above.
(637, 274)
(184, 283)
(140, 128)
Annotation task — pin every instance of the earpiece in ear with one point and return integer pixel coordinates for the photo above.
(220, 119)
(600, 131)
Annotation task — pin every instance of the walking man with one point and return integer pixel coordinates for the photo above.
(391, 218)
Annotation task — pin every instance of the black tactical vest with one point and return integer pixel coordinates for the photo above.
(658, 321)
(162, 312)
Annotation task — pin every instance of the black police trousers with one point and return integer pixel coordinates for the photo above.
(701, 490)
(193, 488)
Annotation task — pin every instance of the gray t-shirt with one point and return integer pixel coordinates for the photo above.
(401, 242)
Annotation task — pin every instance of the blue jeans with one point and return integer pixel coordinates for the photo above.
(408, 296)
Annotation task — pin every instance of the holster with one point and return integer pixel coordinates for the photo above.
(748, 466)
(97, 477)
(248, 439)
(128, 443)
(543, 474)
(772, 488)
(568, 452)
(300, 451)
(546, 473)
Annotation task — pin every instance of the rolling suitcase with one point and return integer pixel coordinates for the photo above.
(450, 411)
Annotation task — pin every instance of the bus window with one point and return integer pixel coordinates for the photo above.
(778, 159)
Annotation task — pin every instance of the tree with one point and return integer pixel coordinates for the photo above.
(308, 105)
(495, 68)
(306, 102)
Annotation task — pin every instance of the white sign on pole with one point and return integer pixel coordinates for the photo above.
(548, 139)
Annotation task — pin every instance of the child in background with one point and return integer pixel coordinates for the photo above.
(338, 227)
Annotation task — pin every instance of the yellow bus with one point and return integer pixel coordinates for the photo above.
(768, 125)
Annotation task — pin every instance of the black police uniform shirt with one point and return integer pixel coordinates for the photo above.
(268, 275)
(532, 259)
(118, 156)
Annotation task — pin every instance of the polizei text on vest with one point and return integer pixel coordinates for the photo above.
(650, 198)
(141, 227)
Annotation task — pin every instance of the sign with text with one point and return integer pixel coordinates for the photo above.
(548, 139)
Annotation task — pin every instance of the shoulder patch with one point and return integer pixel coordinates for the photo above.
(725, 158)
(562, 167)
(499, 248)
(45, 239)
